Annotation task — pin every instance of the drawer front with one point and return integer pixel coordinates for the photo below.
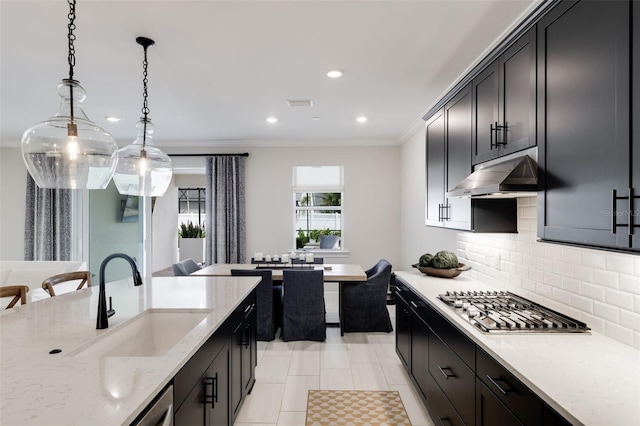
(440, 409)
(490, 411)
(456, 380)
(526, 405)
(454, 338)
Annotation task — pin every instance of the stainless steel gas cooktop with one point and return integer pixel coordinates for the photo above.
(505, 312)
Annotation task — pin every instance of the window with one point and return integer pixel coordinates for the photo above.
(191, 206)
(318, 194)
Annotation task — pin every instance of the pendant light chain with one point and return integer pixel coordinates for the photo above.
(71, 36)
(72, 129)
(145, 103)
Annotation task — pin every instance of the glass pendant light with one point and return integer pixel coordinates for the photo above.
(68, 150)
(143, 169)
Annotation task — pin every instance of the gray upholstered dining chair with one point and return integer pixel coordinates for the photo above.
(265, 318)
(364, 304)
(303, 310)
(329, 241)
(185, 267)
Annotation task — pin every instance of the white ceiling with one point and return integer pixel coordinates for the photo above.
(220, 68)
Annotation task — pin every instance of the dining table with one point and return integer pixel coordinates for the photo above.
(342, 273)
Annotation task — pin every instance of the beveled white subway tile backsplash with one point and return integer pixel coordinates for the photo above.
(598, 287)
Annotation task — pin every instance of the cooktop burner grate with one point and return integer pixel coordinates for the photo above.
(505, 312)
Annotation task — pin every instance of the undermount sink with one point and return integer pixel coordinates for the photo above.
(152, 333)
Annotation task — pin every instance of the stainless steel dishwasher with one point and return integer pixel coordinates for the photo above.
(161, 412)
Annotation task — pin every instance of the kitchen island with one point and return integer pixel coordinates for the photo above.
(587, 378)
(72, 388)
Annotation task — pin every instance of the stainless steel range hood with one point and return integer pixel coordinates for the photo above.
(516, 177)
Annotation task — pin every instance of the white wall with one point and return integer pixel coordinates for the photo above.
(371, 199)
(416, 238)
(165, 229)
(13, 183)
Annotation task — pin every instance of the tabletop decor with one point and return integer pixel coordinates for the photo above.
(442, 273)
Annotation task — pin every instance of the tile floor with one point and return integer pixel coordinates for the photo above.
(287, 370)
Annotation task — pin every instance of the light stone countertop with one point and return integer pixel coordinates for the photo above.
(589, 378)
(40, 389)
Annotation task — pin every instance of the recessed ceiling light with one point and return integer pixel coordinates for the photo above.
(272, 120)
(335, 73)
(300, 102)
(315, 118)
(361, 119)
(112, 118)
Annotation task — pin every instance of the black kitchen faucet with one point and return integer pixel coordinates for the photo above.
(103, 315)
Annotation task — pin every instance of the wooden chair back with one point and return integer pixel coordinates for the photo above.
(19, 292)
(49, 283)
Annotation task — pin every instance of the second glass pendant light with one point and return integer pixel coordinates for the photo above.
(143, 169)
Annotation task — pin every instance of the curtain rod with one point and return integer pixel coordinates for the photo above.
(244, 154)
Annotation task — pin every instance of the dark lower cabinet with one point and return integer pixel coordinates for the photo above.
(490, 411)
(210, 388)
(440, 409)
(453, 377)
(403, 329)
(243, 356)
(420, 353)
(216, 390)
(459, 382)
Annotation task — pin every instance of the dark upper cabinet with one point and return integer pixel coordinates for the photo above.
(448, 142)
(485, 114)
(458, 157)
(504, 102)
(435, 151)
(635, 126)
(583, 120)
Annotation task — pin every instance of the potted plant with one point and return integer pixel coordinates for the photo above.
(191, 239)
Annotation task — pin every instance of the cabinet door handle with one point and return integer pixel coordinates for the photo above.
(495, 129)
(168, 416)
(500, 388)
(211, 397)
(491, 130)
(413, 304)
(444, 421)
(444, 373)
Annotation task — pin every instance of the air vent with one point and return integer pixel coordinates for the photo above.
(300, 102)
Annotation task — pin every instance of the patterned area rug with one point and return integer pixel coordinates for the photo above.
(330, 407)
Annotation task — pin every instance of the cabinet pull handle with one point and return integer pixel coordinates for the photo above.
(212, 397)
(439, 212)
(444, 373)
(413, 304)
(446, 212)
(500, 388)
(444, 421)
(630, 213)
(495, 129)
(491, 130)
(614, 198)
(168, 416)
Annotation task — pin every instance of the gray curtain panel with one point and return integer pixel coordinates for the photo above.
(47, 227)
(225, 209)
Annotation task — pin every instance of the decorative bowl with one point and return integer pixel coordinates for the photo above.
(442, 273)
